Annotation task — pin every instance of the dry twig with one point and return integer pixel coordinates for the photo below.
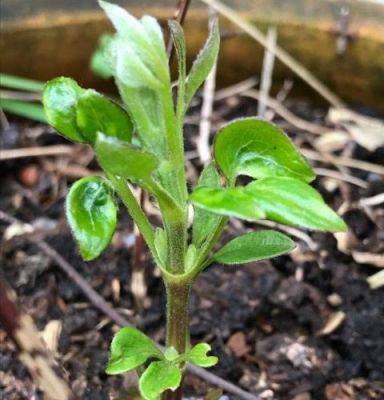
(267, 72)
(203, 147)
(33, 353)
(280, 53)
(54, 150)
(286, 114)
(343, 161)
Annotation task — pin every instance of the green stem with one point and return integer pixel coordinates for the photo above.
(137, 214)
(177, 315)
(209, 244)
(177, 239)
(178, 292)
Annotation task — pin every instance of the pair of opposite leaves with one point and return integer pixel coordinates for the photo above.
(131, 349)
(246, 147)
(281, 194)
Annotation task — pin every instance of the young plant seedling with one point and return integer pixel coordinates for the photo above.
(141, 144)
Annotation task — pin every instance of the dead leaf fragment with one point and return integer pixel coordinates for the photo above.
(376, 281)
(339, 391)
(238, 345)
(368, 132)
(51, 334)
(333, 323)
(332, 141)
(368, 258)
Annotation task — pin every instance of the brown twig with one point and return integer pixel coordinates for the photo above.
(54, 150)
(267, 72)
(32, 351)
(236, 89)
(286, 114)
(279, 52)
(138, 286)
(344, 161)
(341, 176)
(206, 112)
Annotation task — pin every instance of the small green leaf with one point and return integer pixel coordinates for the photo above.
(140, 46)
(130, 348)
(254, 246)
(257, 148)
(233, 202)
(125, 160)
(204, 62)
(91, 213)
(190, 257)
(60, 99)
(100, 63)
(159, 377)
(171, 354)
(204, 222)
(161, 245)
(95, 113)
(198, 356)
(293, 202)
(145, 108)
(179, 43)
(132, 70)
(155, 34)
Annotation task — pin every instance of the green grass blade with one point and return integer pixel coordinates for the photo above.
(15, 82)
(25, 109)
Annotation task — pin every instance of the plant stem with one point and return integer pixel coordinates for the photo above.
(177, 322)
(134, 209)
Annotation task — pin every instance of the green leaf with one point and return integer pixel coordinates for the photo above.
(254, 246)
(293, 202)
(179, 43)
(145, 108)
(100, 63)
(24, 109)
(140, 40)
(155, 34)
(161, 245)
(132, 70)
(60, 99)
(95, 113)
(91, 213)
(198, 356)
(204, 62)
(159, 377)
(232, 202)
(130, 348)
(125, 160)
(204, 222)
(257, 148)
(171, 354)
(190, 257)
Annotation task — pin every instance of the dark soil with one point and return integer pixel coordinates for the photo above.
(267, 322)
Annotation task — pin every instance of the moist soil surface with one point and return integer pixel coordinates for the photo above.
(302, 326)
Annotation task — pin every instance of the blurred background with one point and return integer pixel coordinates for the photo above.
(305, 326)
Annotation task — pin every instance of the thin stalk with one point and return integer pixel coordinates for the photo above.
(201, 261)
(177, 322)
(137, 214)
